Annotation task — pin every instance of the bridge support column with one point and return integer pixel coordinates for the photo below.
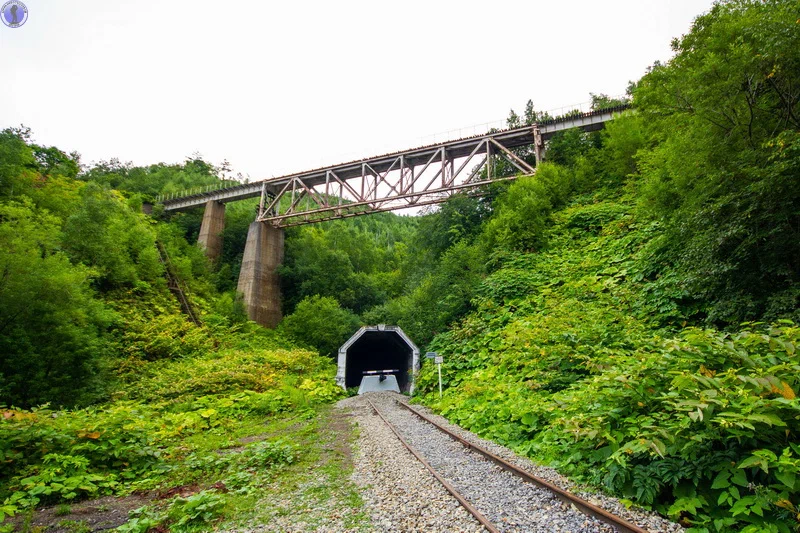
(538, 144)
(211, 229)
(258, 279)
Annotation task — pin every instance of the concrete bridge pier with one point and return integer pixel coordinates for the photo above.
(211, 228)
(259, 281)
(538, 144)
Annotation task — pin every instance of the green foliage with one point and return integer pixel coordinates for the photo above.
(71, 252)
(242, 472)
(593, 218)
(566, 147)
(87, 315)
(553, 364)
(197, 509)
(154, 179)
(459, 219)
(193, 513)
(688, 420)
(355, 261)
(723, 174)
(680, 220)
(561, 361)
(142, 520)
(320, 322)
(523, 210)
(440, 298)
(165, 336)
(16, 163)
(50, 325)
(267, 455)
(65, 477)
(53, 162)
(49, 458)
(603, 101)
(104, 233)
(228, 310)
(52, 456)
(622, 139)
(27, 169)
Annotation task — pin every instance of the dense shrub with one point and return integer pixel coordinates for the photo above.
(51, 326)
(722, 172)
(51, 456)
(104, 233)
(321, 323)
(561, 360)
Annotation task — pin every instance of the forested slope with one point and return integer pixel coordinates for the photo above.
(637, 323)
(107, 388)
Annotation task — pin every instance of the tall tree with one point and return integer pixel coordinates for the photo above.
(50, 324)
(724, 176)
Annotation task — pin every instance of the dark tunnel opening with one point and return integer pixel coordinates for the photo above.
(379, 350)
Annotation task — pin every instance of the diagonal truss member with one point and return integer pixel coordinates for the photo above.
(410, 179)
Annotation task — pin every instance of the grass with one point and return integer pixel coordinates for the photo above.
(314, 491)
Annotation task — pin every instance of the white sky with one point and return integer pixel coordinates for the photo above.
(276, 87)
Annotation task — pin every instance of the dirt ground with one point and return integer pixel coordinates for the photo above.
(95, 515)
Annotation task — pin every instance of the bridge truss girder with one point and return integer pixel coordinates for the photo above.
(399, 181)
(410, 178)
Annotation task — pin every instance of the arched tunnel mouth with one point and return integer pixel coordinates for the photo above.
(380, 351)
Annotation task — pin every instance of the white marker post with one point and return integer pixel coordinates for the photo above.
(439, 360)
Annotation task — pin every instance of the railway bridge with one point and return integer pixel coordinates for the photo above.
(409, 178)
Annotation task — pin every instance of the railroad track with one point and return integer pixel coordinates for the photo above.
(571, 500)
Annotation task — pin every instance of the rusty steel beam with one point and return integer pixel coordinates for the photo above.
(410, 178)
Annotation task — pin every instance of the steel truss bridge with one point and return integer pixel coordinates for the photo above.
(410, 178)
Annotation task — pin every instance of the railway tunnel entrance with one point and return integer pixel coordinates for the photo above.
(375, 351)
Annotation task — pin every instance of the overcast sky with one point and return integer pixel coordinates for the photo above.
(275, 87)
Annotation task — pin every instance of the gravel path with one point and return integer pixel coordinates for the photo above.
(403, 496)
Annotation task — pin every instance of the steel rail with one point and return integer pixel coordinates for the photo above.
(464, 503)
(582, 505)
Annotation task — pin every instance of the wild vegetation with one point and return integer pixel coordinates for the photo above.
(106, 388)
(629, 314)
(637, 326)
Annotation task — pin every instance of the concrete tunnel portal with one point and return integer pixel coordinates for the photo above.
(378, 349)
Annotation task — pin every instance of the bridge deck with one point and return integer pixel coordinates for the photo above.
(381, 165)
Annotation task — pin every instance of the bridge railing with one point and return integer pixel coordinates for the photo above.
(221, 184)
(558, 113)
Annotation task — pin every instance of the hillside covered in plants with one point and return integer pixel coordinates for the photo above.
(636, 324)
(109, 388)
(629, 314)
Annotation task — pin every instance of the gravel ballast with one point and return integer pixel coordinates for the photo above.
(509, 503)
(640, 517)
(400, 493)
(403, 496)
